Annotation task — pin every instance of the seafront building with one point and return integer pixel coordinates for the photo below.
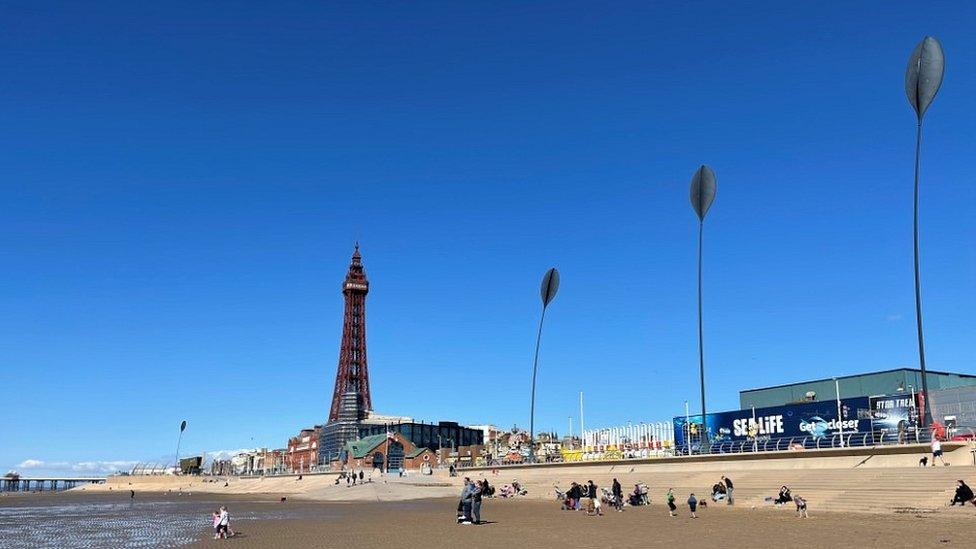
(302, 452)
(903, 381)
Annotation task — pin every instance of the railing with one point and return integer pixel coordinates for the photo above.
(864, 439)
(810, 442)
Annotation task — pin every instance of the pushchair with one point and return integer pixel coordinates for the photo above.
(640, 495)
(563, 499)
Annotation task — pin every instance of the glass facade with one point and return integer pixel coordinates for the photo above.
(445, 434)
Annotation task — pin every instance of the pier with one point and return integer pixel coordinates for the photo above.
(16, 483)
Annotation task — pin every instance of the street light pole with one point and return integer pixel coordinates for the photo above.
(703, 187)
(550, 285)
(582, 427)
(923, 78)
(840, 418)
(179, 441)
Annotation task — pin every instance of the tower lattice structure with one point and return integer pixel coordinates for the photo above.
(351, 399)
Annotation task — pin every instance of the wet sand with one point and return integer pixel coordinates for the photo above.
(167, 520)
(532, 523)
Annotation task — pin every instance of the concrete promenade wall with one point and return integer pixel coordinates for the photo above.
(876, 480)
(905, 455)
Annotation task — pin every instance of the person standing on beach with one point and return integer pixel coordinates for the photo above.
(476, 502)
(801, 506)
(215, 516)
(937, 450)
(594, 506)
(671, 506)
(467, 499)
(618, 496)
(693, 505)
(728, 490)
(224, 525)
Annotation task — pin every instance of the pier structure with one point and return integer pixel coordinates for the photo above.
(16, 483)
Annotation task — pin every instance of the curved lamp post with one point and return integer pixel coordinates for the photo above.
(550, 285)
(702, 196)
(178, 442)
(923, 78)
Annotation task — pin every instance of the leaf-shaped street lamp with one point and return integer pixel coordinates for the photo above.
(702, 195)
(550, 285)
(178, 442)
(923, 78)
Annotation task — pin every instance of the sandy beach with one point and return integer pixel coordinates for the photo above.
(533, 523)
(80, 519)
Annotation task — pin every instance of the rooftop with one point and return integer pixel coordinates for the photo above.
(917, 370)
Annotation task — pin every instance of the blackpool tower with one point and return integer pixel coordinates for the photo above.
(351, 402)
(350, 399)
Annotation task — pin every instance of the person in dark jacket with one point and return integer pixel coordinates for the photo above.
(964, 494)
(618, 496)
(693, 505)
(574, 495)
(784, 496)
(728, 490)
(476, 502)
(594, 506)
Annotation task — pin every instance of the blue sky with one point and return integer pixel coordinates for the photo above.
(182, 187)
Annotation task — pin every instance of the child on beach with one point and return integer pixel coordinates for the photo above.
(693, 505)
(216, 524)
(801, 506)
(671, 506)
(223, 526)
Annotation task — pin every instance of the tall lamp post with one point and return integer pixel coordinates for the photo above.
(550, 285)
(702, 195)
(178, 442)
(926, 67)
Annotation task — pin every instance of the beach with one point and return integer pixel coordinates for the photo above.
(533, 523)
(167, 520)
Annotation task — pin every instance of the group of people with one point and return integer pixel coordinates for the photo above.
(786, 495)
(352, 477)
(723, 489)
(221, 523)
(469, 507)
(583, 497)
(507, 490)
(673, 509)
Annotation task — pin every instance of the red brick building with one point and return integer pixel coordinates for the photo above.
(386, 452)
(302, 453)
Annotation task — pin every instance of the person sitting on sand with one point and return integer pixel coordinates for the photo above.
(784, 496)
(964, 494)
(718, 492)
(487, 490)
